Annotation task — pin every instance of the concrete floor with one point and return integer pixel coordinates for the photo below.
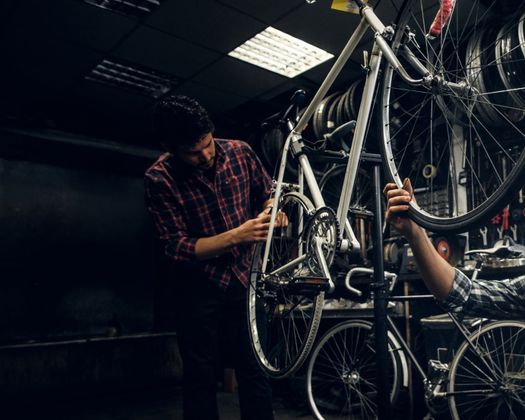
(154, 403)
(147, 404)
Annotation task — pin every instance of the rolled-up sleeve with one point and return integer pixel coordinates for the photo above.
(459, 293)
(169, 220)
(496, 299)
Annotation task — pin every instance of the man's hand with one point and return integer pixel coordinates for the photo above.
(253, 230)
(397, 207)
(437, 273)
(281, 220)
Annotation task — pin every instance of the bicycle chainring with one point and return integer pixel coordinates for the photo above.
(324, 225)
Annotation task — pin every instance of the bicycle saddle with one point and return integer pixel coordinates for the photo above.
(504, 248)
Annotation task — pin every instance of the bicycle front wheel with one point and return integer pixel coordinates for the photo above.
(283, 317)
(463, 149)
(488, 380)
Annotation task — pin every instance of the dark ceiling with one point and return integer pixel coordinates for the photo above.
(49, 47)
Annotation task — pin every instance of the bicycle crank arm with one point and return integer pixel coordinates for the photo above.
(318, 248)
(289, 265)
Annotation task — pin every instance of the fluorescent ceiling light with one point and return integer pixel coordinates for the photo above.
(281, 53)
(123, 75)
(127, 7)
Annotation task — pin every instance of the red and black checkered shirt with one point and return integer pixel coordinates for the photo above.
(186, 206)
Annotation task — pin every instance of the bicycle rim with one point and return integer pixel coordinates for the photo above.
(341, 376)
(283, 319)
(495, 387)
(464, 152)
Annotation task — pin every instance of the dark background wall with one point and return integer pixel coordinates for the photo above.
(79, 269)
(77, 254)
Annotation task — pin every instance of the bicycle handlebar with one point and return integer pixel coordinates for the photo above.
(364, 270)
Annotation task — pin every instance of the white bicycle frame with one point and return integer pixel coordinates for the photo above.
(294, 139)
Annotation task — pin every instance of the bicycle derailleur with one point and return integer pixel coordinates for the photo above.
(435, 387)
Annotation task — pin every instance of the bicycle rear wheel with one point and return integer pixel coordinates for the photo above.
(341, 376)
(464, 152)
(492, 387)
(284, 316)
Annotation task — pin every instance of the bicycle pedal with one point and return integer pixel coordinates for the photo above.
(311, 279)
(310, 282)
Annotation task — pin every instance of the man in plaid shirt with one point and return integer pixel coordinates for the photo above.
(490, 299)
(208, 199)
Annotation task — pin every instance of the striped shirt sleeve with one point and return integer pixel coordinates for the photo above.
(495, 299)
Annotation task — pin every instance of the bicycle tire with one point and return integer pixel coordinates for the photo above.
(479, 163)
(283, 322)
(476, 389)
(342, 367)
(341, 117)
(331, 122)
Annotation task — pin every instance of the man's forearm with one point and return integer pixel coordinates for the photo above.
(437, 273)
(248, 232)
(213, 246)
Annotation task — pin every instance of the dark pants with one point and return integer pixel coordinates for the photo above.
(210, 316)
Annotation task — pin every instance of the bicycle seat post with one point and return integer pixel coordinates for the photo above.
(479, 264)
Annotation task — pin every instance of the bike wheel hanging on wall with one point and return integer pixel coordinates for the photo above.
(473, 139)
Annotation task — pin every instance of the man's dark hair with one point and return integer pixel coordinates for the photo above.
(180, 121)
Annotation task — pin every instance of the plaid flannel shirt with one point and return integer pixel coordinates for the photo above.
(186, 206)
(495, 299)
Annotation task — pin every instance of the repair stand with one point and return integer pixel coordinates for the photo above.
(379, 288)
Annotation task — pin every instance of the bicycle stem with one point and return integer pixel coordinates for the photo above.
(382, 32)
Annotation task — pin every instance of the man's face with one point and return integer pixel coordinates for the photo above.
(201, 155)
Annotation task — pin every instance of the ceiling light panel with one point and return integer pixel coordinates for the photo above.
(127, 7)
(122, 75)
(281, 53)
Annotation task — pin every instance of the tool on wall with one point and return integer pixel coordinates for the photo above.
(500, 232)
(484, 230)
